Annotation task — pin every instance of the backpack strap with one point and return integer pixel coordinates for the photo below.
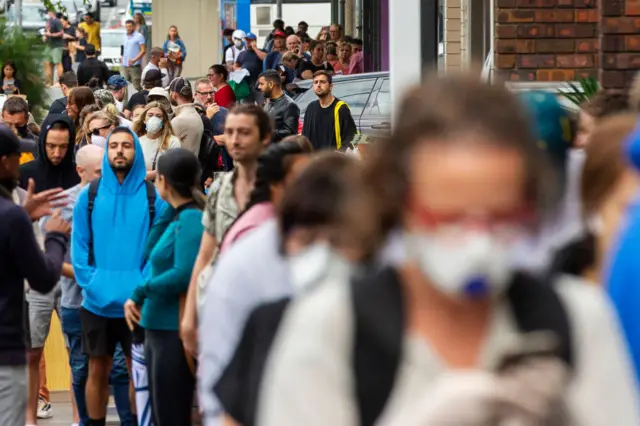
(379, 330)
(93, 193)
(538, 307)
(336, 116)
(151, 200)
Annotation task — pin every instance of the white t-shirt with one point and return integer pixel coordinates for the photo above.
(163, 71)
(150, 149)
(232, 54)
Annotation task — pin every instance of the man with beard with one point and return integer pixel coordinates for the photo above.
(20, 258)
(186, 122)
(247, 134)
(328, 122)
(111, 222)
(283, 111)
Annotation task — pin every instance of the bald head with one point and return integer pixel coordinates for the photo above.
(293, 42)
(89, 163)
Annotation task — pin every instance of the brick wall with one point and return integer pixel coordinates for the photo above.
(548, 40)
(620, 30)
(455, 34)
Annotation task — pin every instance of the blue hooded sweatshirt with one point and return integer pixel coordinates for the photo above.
(120, 222)
(623, 274)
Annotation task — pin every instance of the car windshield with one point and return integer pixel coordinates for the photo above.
(114, 39)
(30, 13)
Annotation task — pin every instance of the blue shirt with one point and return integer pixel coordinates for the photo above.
(132, 45)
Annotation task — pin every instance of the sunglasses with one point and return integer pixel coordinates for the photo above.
(205, 93)
(96, 131)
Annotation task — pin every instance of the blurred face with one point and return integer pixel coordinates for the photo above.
(173, 32)
(293, 43)
(90, 172)
(136, 112)
(332, 57)
(99, 127)
(57, 145)
(321, 86)
(79, 34)
(318, 53)
(265, 86)
(243, 138)
(213, 77)
(586, 126)
(345, 52)
(9, 171)
(154, 112)
(334, 32)
(279, 42)
(289, 63)
(303, 28)
(8, 71)
(118, 94)
(72, 110)
(298, 163)
(130, 28)
(355, 48)
(204, 94)
(162, 187)
(88, 19)
(65, 23)
(121, 151)
(17, 122)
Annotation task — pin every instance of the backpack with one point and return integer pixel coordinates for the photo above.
(93, 193)
(378, 306)
(208, 152)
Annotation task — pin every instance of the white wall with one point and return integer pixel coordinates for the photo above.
(317, 15)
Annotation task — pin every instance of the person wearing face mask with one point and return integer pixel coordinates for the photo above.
(320, 226)
(98, 125)
(156, 135)
(455, 333)
(234, 51)
(284, 112)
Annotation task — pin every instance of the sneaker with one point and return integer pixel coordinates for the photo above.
(45, 411)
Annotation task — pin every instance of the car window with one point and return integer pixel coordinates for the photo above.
(305, 99)
(355, 93)
(114, 39)
(30, 13)
(380, 103)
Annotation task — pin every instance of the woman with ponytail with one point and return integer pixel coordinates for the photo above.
(277, 167)
(155, 305)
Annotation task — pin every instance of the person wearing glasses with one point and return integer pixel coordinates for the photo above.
(224, 95)
(98, 126)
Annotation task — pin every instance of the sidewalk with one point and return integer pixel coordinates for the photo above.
(63, 416)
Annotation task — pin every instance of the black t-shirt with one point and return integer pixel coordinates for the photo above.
(252, 63)
(139, 98)
(319, 126)
(309, 66)
(58, 106)
(80, 55)
(55, 26)
(69, 31)
(91, 68)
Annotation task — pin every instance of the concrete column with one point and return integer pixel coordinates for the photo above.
(198, 23)
(349, 23)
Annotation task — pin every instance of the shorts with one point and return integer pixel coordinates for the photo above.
(54, 55)
(40, 308)
(13, 394)
(100, 335)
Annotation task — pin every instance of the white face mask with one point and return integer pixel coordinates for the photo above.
(476, 266)
(238, 43)
(154, 124)
(316, 264)
(98, 140)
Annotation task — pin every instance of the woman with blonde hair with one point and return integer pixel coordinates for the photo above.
(153, 127)
(83, 138)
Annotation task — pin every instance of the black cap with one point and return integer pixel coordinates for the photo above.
(90, 49)
(10, 143)
(182, 86)
(152, 75)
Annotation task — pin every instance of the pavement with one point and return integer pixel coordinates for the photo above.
(63, 414)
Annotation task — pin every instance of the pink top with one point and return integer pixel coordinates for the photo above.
(250, 220)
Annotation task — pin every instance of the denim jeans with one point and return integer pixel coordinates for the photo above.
(119, 377)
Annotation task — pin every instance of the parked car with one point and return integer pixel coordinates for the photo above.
(366, 94)
(34, 14)
(111, 54)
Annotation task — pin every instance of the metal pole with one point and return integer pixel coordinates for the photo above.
(341, 13)
(358, 13)
(334, 11)
(429, 34)
(18, 6)
(279, 8)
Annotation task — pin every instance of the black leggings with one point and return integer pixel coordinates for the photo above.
(171, 384)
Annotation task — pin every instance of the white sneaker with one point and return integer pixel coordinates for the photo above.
(45, 411)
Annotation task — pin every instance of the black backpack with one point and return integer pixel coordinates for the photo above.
(93, 193)
(379, 331)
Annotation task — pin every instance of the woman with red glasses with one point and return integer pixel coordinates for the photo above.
(447, 331)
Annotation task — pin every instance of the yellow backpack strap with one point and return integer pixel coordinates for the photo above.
(336, 114)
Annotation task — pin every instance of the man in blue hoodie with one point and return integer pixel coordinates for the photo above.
(111, 221)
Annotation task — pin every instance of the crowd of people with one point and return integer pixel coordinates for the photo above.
(216, 258)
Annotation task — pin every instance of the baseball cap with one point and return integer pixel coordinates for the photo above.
(279, 33)
(10, 143)
(181, 86)
(152, 75)
(251, 36)
(90, 49)
(239, 34)
(116, 82)
(158, 91)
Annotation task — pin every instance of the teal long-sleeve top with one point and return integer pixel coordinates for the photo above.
(172, 249)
